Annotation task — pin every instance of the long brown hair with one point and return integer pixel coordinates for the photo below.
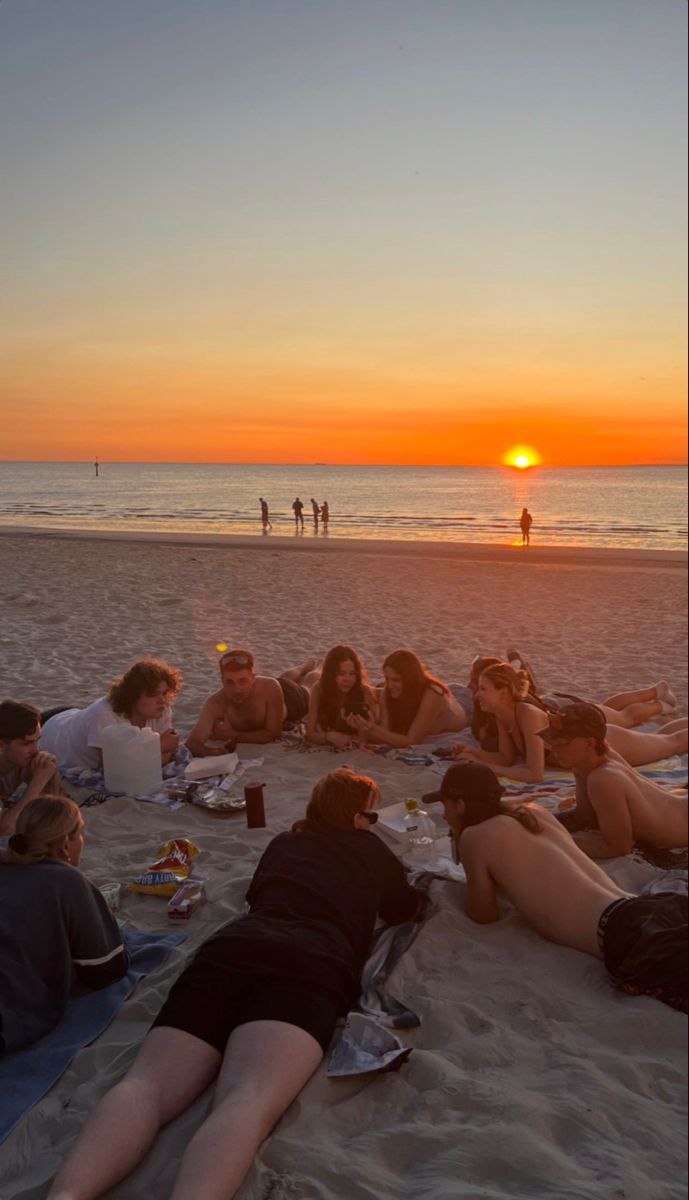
(41, 827)
(415, 682)
(505, 677)
(329, 696)
(483, 724)
(143, 679)
(335, 800)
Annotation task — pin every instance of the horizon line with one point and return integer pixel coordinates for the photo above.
(149, 462)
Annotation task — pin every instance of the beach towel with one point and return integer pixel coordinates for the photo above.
(27, 1075)
(87, 787)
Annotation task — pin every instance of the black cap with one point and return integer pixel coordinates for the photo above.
(573, 721)
(468, 781)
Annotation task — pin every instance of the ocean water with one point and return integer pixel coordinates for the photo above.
(633, 507)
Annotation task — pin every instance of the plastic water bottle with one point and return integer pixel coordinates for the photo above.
(420, 831)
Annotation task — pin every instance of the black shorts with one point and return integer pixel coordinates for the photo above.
(296, 698)
(643, 941)
(210, 1001)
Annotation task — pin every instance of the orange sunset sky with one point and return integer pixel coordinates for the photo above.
(298, 233)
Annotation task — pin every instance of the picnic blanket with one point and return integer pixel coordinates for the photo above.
(27, 1075)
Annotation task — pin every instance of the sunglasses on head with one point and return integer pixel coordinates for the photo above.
(240, 660)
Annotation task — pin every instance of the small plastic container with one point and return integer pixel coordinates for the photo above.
(111, 893)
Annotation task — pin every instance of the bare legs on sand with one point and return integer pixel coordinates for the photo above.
(265, 1066)
(307, 674)
(639, 749)
(628, 709)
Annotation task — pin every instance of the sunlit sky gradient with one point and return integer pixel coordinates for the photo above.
(343, 230)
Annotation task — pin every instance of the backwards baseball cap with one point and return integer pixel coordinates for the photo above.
(574, 721)
(472, 782)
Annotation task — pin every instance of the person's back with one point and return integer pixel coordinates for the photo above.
(46, 913)
(324, 890)
(658, 817)
(55, 927)
(544, 875)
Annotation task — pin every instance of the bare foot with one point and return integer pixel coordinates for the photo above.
(516, 660)
(665, 695)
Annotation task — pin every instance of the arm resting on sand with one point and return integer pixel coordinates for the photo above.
(616, 836)
(95, 940)
(419, 729)
(203, 732)
(534, 749)
(482, 896)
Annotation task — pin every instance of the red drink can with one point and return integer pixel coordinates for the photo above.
(255, 808)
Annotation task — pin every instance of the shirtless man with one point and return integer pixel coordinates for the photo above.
(248, 707)
(21, 761)
(525, 853)
(617, 808)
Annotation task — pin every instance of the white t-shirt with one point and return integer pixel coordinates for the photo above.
(75, 736)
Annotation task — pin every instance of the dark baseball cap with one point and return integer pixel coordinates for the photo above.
(574, 721)
(468, 781)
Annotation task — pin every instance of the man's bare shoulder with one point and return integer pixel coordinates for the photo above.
(266, 686)
(607, 779)
(216, 701)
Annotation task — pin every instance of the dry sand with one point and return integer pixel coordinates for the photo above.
(530, 1077)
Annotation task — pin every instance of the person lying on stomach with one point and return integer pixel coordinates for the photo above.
(524, 852)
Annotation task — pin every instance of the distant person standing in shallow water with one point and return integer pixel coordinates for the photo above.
(265, 515)
(298, 510)
(525, 523)
(96, 465)
(315, 510)
(325, 515)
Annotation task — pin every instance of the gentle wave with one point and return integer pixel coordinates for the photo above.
(639, 507)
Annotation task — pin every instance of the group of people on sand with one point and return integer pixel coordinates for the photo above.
(340, 708)
(320, 513)
(256, 1008)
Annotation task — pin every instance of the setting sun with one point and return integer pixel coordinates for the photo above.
(522, 457)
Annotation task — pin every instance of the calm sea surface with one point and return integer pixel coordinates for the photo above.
(630, 507)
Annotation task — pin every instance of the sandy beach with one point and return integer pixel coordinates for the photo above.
(530, 1077)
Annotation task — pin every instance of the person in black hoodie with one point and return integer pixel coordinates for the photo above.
(257, 1007)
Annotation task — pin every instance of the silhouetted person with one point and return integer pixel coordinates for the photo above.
(315, 510)
(525, 523)
(96, 465)
(298, 510)
(265, 515)
(325, 515)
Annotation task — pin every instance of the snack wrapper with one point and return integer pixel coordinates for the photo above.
(185, 902)
(365, 1046)
(166, 875)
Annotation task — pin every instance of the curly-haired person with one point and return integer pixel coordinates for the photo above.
(143, 697)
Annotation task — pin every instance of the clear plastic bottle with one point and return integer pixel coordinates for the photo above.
(420, 830)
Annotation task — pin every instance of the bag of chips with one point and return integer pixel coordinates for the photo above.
(167, 874)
